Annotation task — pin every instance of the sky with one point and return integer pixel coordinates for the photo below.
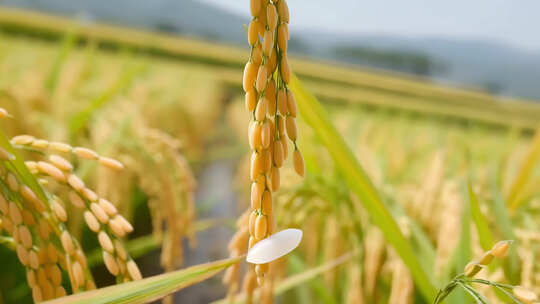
(512, 22)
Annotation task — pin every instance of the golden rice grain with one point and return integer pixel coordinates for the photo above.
(255, 7)
(81, 258)
(275, 179)
(282, 37)
(60, 147)
(105, 241)
(110, 163)
(261, 269)
(59, 210)
(100, 214)
(285, 70)
(31, 197)
(15, 213)
(108, 207)
(285, 146)
(54, 273)
(22, 254)
(78, 273)
(85, 153)
(89, 194)
(5, 155)
(25, 236)
(500, 249)
(59, 292)
(282, 102)
(13, 184)
(120, 250)
(40, 144)
(22, 140)
(51, 171)
(265, 135)
(91, 221)
(271, 17)
(36, 294)
(44, 229)
(250, 73)
(31, 278)
(67, 242)
(272, 62)
(261, 227)
(291, 104)
(47, 290)
(290, 125)
(61, 163)
(268, 42)
(266, 203)
(271, 97)
(253, 33)
(4, 206)
(76, 200)
(256, 196)
(283, 11)
(75, 182)
(251, 100)
(110, 263)
(262, 76)
(126, 225)
(261, 109)
(116, 228)
(52, 253)
(33, 260)
(256, 165)
(252, 220)
(133, 270)
(298, 162)
(278, 154)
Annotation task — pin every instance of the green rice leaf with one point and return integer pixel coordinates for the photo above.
(481, 223)
(149, 289)
(316, 116)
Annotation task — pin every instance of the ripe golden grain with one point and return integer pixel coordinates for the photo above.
(261, 227)
(261, 269)
(290, 124)
(283, 11)
(282, 37)
(44, 229)
(52, 253)
(76, 200)
(108, 207)
(40, 144)
(256, 196)
(255, 139)
(262, 76)
(59, 210)
(110, 263)
(13, 184)
(60, 147)
(31, 278)
(298, 162)
(25, 236)
(15, 213)
(271, 97)
(133, 270)
(51, 171)
(268, 42)
(67, 242)
(500, 250)
(4, 206)
(275, 179)
(257, 55)
(23, 140)
(120, 250)
(61, 163)
(285, 70)
(33, 260)
(31, 197)
(256, 165)
(59, 292)
(22, 254)
(28, 218)
(85, 153)
(278, 154)
(265, 135)
(105, 241)
(75, 182)
(251, 100)
(54, 273)
(250, 72)
(78, 273)
(116, 228)
(271, 17)
(111, 163)
(291, 104)
(253, 33)
(255, 7)
(266, 203)
(126, 225)
(272, 62)
(282, 102)
(99, 213)
(36, 294)
(89, 194)
(252, 220)
(91, 221)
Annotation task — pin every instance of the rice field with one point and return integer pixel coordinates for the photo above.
(125, 154)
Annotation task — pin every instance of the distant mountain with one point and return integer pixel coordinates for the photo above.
(498, 67)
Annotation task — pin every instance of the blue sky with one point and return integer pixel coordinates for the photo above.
(513, 22)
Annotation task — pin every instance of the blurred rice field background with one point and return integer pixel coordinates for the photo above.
(137, 96)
